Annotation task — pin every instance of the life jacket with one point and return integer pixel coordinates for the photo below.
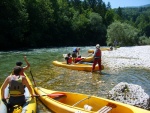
(97, 54)
(70, 60)
(16, 87)
(78, 59)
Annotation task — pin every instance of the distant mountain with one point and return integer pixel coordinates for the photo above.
(148, 5)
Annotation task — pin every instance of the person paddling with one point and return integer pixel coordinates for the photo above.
(97, 58)
(25, 67)
(16, 84)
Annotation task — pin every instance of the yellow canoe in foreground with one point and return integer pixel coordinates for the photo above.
(81, 103)
(30, 105)
(79, 67)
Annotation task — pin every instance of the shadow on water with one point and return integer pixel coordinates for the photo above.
(57, 78)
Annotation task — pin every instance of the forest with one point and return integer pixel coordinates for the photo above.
(59, 23)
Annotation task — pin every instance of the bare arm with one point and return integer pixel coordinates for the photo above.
(25, 82)
(6, 82)
(28, 65)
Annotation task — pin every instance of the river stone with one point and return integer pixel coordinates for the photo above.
(130, 94)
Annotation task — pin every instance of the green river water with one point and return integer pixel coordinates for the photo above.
(56, 78)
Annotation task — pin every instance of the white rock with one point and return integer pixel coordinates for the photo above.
(130, 94)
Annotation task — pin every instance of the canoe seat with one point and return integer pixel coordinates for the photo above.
(107, 108)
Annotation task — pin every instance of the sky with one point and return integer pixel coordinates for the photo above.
(126, 3)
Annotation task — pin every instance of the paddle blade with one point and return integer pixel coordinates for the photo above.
(57, 96)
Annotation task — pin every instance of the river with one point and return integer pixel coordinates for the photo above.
(56, 78)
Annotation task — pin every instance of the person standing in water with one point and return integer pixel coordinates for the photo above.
(97, 58)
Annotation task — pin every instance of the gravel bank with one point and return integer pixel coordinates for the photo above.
(135, 56)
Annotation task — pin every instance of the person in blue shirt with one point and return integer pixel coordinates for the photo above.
(75, 53)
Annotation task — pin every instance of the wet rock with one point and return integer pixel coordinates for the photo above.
(130, 94)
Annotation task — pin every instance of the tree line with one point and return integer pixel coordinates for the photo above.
(57, 23)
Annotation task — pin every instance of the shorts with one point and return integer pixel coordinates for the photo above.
(18, 100)
(74, 55)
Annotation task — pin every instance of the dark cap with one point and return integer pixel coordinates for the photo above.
(19, 63)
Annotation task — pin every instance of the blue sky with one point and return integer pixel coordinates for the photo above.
(126, 3)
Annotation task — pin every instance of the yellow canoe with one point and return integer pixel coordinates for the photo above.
(30, 105)
(79, 67)
(80, 103)
(88, 59)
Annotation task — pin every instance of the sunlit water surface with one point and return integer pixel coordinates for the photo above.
(56, 78)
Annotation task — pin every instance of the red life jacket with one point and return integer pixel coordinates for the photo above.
(78, 59)
(70, 60)
(98, 53)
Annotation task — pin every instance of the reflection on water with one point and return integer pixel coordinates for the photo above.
(57, 78)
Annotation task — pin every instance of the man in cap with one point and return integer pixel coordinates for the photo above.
(97, 58)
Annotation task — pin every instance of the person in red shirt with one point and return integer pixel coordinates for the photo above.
(68, 59)
(78, 59)
(97, 58)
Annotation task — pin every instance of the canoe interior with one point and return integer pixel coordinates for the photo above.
(73, 102)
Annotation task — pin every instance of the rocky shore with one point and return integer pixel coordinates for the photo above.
(135, 56)
(126, 57)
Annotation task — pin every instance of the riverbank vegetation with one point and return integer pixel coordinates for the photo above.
(56, 23)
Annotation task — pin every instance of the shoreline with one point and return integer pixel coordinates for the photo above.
(126, 57)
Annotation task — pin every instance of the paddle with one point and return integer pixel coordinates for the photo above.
(55, 95)
(32, 77)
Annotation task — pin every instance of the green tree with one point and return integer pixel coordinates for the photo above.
(143, 23)
(119, 14)
(41, 18)
(13, 23)
(109, 17)
(97, 28)
(108, 6)
(123, 33)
